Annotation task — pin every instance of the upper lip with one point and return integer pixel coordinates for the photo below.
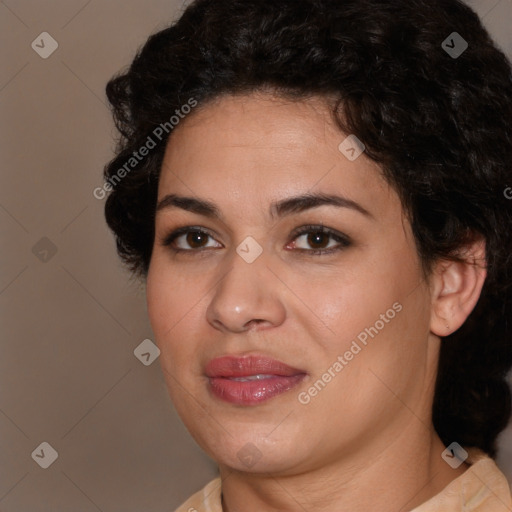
(245, 366)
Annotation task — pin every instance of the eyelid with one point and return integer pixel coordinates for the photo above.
(343, 240)
(318, 228)
(169, 239)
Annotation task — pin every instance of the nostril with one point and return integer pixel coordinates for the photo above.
(255, 321)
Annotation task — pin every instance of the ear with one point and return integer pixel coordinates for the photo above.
(456, 288)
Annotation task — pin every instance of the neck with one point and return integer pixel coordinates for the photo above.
(399, 477)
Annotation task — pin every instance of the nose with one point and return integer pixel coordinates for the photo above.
(247, 297)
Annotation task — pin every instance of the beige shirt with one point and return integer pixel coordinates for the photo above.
(481, 488)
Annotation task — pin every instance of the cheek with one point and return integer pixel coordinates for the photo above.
(347, 302)
(160, 301)
(376, 310)
(173, 303)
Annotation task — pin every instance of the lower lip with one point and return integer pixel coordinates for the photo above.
(252, 392)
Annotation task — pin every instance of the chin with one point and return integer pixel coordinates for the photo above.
(251, 450)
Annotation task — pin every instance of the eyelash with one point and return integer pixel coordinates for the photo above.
(342, 240)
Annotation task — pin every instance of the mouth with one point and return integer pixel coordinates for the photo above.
(250, 380)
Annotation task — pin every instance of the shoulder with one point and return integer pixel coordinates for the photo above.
(208, 499)
(481, 488)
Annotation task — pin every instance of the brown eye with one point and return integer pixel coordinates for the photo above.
(190, 239)
(196, 239)
(312, 240)
(318, 240)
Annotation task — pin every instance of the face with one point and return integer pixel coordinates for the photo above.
(285, 294)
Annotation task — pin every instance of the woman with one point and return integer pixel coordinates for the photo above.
(313, 191)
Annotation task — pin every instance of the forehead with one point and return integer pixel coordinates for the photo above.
(260, 148)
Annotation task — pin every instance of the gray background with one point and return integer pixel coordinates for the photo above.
(70, 316)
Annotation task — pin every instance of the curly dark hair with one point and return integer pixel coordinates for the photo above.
(437, 123)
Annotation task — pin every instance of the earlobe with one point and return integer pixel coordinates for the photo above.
(456, 288)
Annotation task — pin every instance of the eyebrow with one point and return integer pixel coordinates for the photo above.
(280, 208)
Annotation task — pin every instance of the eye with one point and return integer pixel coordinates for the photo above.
(318, 240)
(188, 239)
(311, 240)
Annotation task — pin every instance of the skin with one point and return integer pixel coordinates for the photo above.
(365, 439)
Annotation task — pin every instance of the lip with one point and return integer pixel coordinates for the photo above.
(277, 378)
